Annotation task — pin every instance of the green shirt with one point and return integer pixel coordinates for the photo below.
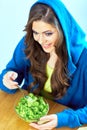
(47, 86)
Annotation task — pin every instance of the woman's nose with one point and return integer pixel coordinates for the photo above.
(41, 39)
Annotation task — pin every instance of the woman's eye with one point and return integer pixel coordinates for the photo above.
(48, 34)
(35, 33)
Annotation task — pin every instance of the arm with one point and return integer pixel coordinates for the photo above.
(16, 64)
(77, 117)
(66, 118)
(72, 118)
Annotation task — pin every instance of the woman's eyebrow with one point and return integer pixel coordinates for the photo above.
(43, 31)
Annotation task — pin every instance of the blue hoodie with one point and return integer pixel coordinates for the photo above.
(76, 96)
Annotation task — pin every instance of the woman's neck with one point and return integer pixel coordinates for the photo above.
(52, 60)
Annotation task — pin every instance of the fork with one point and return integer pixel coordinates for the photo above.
(21, 90)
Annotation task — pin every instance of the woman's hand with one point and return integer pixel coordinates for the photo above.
(8, 80)
(49, 125)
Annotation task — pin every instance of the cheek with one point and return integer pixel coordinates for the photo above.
(55, 41)
(34, 37)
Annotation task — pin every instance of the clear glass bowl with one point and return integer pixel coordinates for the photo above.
(31, 108)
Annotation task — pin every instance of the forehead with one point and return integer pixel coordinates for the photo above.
(41, 26)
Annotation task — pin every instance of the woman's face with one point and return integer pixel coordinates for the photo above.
(46, 35)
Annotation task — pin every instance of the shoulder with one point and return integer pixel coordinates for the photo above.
(81, 66)
(19, 49)
(83, 58)
(19, 55)
(21, 44)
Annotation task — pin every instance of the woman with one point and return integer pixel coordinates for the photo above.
(51, 60)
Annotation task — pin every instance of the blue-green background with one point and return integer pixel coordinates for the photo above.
(13, 17)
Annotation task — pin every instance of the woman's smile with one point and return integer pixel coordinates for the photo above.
(46, 46)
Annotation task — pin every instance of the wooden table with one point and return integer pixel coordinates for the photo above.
(9, 120)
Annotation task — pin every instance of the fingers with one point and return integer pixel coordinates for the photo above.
(8, 80)
(49, 125)
(48, 117)
(11, 75)
(45, 119)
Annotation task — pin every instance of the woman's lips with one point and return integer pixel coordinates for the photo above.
(46, 46)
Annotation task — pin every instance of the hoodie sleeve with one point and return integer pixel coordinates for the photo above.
(72, 118)
(17, 64)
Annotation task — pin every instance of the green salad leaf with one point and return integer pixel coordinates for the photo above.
(31, 108)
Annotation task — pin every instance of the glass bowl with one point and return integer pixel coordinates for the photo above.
(31, 108)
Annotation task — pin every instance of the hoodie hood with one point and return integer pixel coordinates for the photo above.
(74, 35)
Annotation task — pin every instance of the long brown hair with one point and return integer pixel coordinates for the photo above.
(38, 58)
